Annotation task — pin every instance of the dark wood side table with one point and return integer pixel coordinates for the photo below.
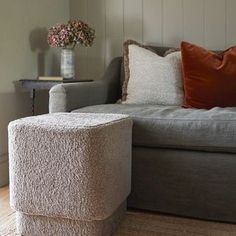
(33, 84)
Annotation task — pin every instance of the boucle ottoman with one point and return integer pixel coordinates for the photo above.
(70, 174)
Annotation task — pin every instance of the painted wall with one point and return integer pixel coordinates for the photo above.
(210, 23)
(24, 54)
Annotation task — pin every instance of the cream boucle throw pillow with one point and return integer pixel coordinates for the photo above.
(150, 78)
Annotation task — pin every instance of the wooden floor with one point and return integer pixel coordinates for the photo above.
(7, 215)
(134, 224)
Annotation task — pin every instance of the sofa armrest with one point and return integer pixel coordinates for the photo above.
(67, 97)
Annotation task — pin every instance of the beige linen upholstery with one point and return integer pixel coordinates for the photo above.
(70, 166)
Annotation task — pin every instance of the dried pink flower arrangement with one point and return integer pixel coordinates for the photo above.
(70, 34)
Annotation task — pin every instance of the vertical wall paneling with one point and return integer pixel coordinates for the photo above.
(172, 22)
(215, 24)
(194, 21)
(96, 54)
(133, 19)
(230, 21)
(79, 10)
(152, 22)
(210, 23)
(114, 29)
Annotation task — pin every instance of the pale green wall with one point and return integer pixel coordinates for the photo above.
(23, 26)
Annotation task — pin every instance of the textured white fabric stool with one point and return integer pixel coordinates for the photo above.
(70, 174)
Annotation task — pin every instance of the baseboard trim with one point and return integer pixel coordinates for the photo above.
(4, 173)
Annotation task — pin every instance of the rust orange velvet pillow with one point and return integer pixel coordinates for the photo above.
(209, 78)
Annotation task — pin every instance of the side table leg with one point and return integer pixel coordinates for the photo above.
(32, 96)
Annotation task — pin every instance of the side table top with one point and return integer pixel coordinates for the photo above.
(56, 81)
(45, 84)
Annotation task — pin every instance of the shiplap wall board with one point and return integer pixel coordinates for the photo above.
(96, 54)
(230, 22)
(209, 23)
(114, 15)
(79, 9)
(215, 24)
(152, 22)
(133, 19)
(193, 20)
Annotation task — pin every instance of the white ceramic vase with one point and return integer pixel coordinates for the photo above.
(68, 63)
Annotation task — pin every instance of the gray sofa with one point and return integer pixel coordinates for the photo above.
(184, 160)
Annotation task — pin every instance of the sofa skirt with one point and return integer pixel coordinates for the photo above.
(186, 183)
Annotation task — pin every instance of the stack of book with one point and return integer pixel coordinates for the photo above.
(52, 78)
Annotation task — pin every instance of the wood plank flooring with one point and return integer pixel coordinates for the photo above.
(7, 215)
(134, 224)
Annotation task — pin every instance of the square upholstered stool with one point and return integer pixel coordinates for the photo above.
(70, 174)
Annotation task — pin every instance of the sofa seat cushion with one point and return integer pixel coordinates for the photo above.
(176, 127)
